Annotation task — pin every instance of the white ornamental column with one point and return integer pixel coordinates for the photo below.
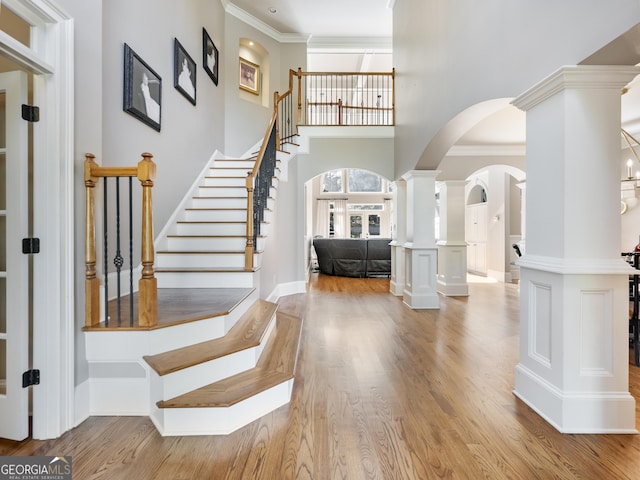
(398, 237)
(574, 315)
(420, 249)
(452, 247)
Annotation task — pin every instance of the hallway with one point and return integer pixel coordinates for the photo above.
(382, 392)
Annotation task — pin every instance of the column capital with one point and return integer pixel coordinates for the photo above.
(412, 174)
(575, 77)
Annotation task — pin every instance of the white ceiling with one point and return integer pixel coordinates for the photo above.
(326, 18)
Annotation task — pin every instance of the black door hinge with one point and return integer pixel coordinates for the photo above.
(30, 245)
(30, 377)
(30, 113)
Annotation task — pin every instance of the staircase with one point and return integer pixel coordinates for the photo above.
(220, 357)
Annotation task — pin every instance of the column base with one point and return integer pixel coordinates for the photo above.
(396, 285)
(576, 412)
(420, 289)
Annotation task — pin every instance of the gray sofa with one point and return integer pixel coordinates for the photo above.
(354, 257)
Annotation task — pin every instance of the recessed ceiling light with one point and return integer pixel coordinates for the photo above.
(273, 10)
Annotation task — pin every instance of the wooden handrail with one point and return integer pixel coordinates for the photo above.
(250, 184)
(145, 172)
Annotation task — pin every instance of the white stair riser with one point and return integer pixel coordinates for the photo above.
(192, 378)
(219, 202)
(238, 215)
(248, 164)
(221, 421)
(210, 244)
(225, 181)
(183, 381)
(222, 192)
(229, 172)
(211, 228)
(190, 260)
(204, 279)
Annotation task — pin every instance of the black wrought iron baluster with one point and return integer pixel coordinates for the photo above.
(131, 251)
(105, 254)
(118, 261)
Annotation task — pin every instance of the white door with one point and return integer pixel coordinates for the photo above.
(14, 295)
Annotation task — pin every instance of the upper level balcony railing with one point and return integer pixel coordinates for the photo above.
(336, 98)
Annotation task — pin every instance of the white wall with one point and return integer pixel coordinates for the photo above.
(189, 134)
(247, 115)
(452, 55)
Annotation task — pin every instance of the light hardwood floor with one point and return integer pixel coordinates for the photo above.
(381, 392)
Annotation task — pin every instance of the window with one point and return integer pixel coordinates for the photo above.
(363, 181)
(332, 181)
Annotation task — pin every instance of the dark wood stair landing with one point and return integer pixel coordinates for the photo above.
(176, 306)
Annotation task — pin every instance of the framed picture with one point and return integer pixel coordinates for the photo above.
(209, 56)
(142, 89)
(184, 72)
(249, 76)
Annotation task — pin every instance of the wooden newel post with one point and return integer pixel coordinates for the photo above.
(147, 286)
(91, 282)
(249, 249)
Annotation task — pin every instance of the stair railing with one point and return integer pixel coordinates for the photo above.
(335, 99)
(147, 301)
(259, 181)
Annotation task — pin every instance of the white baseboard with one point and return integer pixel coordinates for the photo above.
(81, 403)
(285, 289)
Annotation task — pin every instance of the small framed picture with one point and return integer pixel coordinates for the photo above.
(142, 89)
(209, 56)
(249, 76)
(184, 72)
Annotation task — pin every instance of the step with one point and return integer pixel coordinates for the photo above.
(172, 259)
(240, 172)
(204, 277)
(222, 191)
(219, 202)
(214, 243)
(211, 228)
(224, 406)
(227, 181)
(219, 214)
(182, 370)
(235, 163)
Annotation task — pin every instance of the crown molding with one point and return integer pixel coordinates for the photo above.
(259, 25)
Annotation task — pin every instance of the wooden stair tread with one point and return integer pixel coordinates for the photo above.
(276, 365)
(205, 269)
(248, 332)
(208, 236)
(219, 208)
(177, 306)
(198, 222)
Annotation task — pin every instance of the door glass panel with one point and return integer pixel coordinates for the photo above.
(3, 367)
(374, 225)
(356, 226)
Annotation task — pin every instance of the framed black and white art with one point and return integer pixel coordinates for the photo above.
(142, 89)
(209, 56)
(184, 72)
